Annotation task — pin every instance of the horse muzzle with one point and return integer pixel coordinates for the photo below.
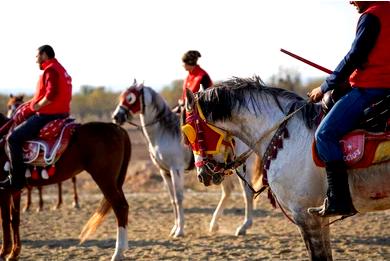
(207, 178)
(120, 115)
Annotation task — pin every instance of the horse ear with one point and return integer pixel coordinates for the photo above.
(11, 95)
(140, 86)
(190, 100)
(134, 82)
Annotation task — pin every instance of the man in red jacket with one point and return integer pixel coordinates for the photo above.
(51, 101)
(367, 69)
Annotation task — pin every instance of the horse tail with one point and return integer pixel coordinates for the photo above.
(257, 173)
(97, 219)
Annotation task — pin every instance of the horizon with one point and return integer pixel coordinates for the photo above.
(109, 43)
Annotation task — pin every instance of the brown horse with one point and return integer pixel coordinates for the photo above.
(101, 149)
(13, 103)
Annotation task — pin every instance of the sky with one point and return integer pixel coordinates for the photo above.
(109, 43)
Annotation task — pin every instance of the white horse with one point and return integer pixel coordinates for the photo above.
(249, 110)
(161, 128)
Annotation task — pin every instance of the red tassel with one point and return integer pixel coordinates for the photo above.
(51, 171)
(35, 174)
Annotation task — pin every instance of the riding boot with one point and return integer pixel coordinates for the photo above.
(338, 200)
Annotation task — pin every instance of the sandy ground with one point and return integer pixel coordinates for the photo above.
(53, 234)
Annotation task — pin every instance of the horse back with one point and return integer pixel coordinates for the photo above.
(95, 147)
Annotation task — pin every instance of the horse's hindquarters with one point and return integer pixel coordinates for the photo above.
(370, 188)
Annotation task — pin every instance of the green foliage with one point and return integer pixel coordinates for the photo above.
(290, 79)
(94, 104)
(172, 93)
(3, 103)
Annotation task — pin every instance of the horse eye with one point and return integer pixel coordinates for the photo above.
(131, 98)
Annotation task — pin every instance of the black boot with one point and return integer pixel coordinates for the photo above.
(338, 201)
(13, 182)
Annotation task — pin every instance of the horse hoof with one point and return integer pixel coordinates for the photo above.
(38, 210)
(214, 229)
(240, 232)
(76, 205)
(179, 234)
(56, 207)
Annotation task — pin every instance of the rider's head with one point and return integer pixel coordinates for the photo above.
(190, 59)
(44, 53)
(361, 6)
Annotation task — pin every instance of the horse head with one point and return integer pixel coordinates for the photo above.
(130, 104)
(212, 155)
(13, 103)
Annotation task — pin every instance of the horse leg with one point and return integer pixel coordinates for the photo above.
(75, 196)
(6, 247)
(226, 189)
(28, 201)
(248, 199)
(315, 234)
(40, 206)
(177, 177)
(168, 183)
(15, 222)
(59, 202)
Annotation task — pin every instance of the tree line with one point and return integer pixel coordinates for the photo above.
(96, 103)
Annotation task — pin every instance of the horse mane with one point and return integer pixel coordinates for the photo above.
(250, 93)
(168, 120)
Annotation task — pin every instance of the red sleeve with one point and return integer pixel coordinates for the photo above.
(51, 81)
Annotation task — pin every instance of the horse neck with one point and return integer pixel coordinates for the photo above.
(155, 112)
(257, 129)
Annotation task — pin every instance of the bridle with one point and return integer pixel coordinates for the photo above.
(195, 117)
(126, 107)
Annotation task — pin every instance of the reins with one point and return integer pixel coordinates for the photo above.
(245, 155)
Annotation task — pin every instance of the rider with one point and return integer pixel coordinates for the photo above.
(51, 101)
(367, 67)
(197, 78)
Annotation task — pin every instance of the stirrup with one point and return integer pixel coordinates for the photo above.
(7, 182)
(324, 211)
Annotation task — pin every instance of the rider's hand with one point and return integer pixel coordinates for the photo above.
(315, 95)
(180, 102)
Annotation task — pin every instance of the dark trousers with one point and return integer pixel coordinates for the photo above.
(27, 130)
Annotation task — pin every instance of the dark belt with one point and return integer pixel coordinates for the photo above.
(59, 115)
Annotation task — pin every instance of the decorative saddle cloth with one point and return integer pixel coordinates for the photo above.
(361, 149)
(44, 152)
(51, 143)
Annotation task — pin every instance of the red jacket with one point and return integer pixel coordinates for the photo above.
(376, 71)
(56, 85)
(194, 79)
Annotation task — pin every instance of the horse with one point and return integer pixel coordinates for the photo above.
(161, 128)
(101, 149)
(13, 103)
(256, 114)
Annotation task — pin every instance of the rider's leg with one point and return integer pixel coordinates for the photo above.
(27, 130)
(343, 118)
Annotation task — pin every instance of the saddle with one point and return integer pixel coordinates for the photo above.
(42, 153)
(370, 143)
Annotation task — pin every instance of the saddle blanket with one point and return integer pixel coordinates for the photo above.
(361, 149)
